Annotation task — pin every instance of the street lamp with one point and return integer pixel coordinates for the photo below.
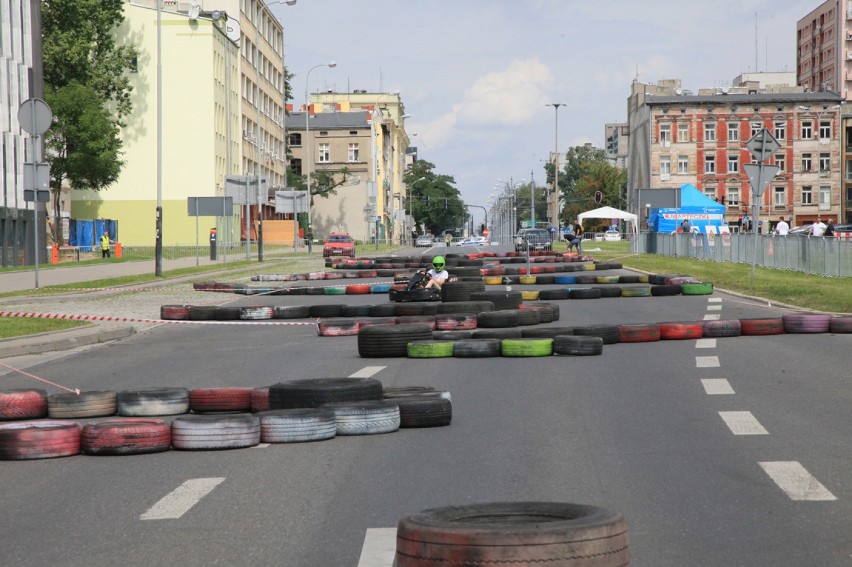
(554, 209)
(330, 65)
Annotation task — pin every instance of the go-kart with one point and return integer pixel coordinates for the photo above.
(416, 290)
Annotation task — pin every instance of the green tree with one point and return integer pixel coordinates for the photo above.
(433, 200)
(522, 194)
(86, 84)
(586, 170)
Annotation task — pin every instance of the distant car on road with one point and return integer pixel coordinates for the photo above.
(338, 244)
(424, 240)
(473, 241)
(612, 236)
(536, 238)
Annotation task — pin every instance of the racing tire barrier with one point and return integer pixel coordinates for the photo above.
(498, 319)
(703, 288)
(174, 312)
(357, 289)
(607, 333)
(85, 404)
(325, 311)
(23, 403)
(152, 402)
(126, 436)
(527, 347)
(513, 533)
(585, 293)
(527, 317)
(456, 322)
(500, 299)
(506, 333)
(465, 307)
(256, 313)
(665, 290)
(202, 312)
(384, 341)
(477, 348)
(260, 399)
(291, 312)
(547, 332)
(42, 439)
(680, 331)
(641, 333)
(765, 326)
(722, 328)
(550, 294)
(452, 335)
(371, 417)
(424, 411)
(430, 349)
(571, 345)
(383, 310)
(425, 319)
(334, 291)
(297, 425)
(529, 295)
(338, 327)
(231, 431)
(203, 400)
(806, 323)
(610, 291)
(636, 292)
(840, 325)
(314, 392)
(460, 291)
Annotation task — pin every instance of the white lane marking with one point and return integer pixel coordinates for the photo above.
(712, 317)
(716, 386)
(707, 362)
(714, 300)
(705, 343)
(379, 548)
(714, 308)
(742, 423)
(795, 481)
(368, 371)
(178, 502)
(261, 446)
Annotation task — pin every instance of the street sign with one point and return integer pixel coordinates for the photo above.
(210, 206)
(35, 116)
(760, 182)
(244, 190)
(39, 195)
(762, 145)
(291, 202)
(36, 176)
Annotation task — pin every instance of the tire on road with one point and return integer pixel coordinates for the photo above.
(152, 402)
(430, 349)
(762, 326)
(126, 436)
(39, 439)
(369, 417)
(477, 348)
(226, 431)
(314, 392)
(23, 403)
(297, 425)
(424, 411)
(382, 341)
(203, 400)
(722, 328)
(806, 323)
(85, 404)
(527, 347)
(678, 331)
(577, 345)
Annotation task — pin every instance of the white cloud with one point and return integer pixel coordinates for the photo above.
(508, 97)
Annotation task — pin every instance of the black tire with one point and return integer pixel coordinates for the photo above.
(313, 393)
(527, 317)
(665, 290)
(547, 332)
(369, 417)
(227, 313)
(356, 311)
(608, 333)
(394, 391)
(506, 333)
(609, 291)
(501, 299)
(465, 307)
(383, 310)
(297, 425)
(461, 290)
(629, 279)
(585, 293)
(452, 335)
(85, 404)
(477, 348)
(202, 312)
(549, 312)
(722, 328)
(415, 411)
(381, 341)
(291, 312)
(153, 402)
(330, 310)
(498, 319)
(550, 294)
(577, 346)
(513, 533)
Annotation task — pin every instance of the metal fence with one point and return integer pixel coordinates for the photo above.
(810, 254)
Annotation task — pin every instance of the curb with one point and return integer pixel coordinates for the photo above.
(62, 340)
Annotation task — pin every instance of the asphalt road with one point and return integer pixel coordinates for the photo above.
(662, 432)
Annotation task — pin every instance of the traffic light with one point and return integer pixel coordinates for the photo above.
(598, 197)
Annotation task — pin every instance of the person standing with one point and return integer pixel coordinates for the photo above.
(578, 237)
(448, 239)
(105, 242)
(684, 226)
(818, 228)
(782, 228)
(829, 228)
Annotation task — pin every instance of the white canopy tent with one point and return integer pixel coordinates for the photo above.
(610, 213)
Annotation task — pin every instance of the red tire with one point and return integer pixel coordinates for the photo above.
(455, 321)
(23, 404)
(174, 312)
(126, 436)
(357, 289)
(338, 327)
(260, 399)
(679, 331)
(643, 333)
(220, 399)
(770, 326)
(44, 439)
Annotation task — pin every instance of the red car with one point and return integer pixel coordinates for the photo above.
(338, 244)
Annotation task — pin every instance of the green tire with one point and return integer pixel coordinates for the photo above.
(430, 349)
(696, 288)
(334, 291)
(527, 347)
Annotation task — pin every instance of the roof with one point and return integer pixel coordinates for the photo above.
(330, 120)
(763, 98)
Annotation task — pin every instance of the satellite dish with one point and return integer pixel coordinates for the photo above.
(678, 91)
(354, 180)
(194, 11)
(232, 29)
(726, 90)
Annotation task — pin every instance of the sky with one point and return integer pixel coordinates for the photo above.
(476, 75)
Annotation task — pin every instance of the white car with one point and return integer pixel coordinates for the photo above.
(473, 241)
(612, 236)
(424, 241)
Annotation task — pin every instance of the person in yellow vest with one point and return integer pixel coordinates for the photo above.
(105, 242)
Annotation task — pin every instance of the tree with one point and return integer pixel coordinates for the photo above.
(522, 194)
(88, 90)
(585, 171)
(433, 201)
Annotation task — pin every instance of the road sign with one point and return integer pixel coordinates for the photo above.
(210, 206)
(291, 202)
(759, 182)
(485, 232)
(35, 116)
(244, 189)
(36, 176)
(762, 145)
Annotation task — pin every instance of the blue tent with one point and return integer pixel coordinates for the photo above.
(700, 210)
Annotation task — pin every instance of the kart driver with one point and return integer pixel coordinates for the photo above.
(437, 275)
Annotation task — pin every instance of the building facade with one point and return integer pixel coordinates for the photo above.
(823, 48)
(616, 136)
(677, 137)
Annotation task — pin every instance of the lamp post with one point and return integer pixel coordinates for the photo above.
(554, 208)
(158, 226)
(330, 65)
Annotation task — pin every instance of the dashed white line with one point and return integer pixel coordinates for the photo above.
(712, 317)
(178, 502)
(796, 481)
(742, 423)
(705, 343)
(714, 300)
(368, 371)
(714, 308)
(707, 362)
(379, 548)
(717, 386)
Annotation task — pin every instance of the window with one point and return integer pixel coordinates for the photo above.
(683, 164)
(756, 127)
(807, 195)
(824, 197)
(806, 162)
(824, 161)
(296, 166)
(710, 132)
(781, 162)
(733, 164)
(733, 131)
(733, 195)
(710, 192)
(849, 170)
(807, 129)
(665, 134)
(709, 164)
(683, 132)
(324, 153)
(825, 130)
(295, 140)
(665, 165)
(779, 196)
(780, 130)
(353, 152)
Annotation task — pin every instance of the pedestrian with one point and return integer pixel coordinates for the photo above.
(818, 228)
(829, 228)
(782, 228)
(684, 226)
(578, 237)
(448, 239)
(105, 242)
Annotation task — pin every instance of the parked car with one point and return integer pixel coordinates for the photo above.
(612, 236)
(338, 244)
(535, 238)
(473, 241)
(424, 240)
(804, 230)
